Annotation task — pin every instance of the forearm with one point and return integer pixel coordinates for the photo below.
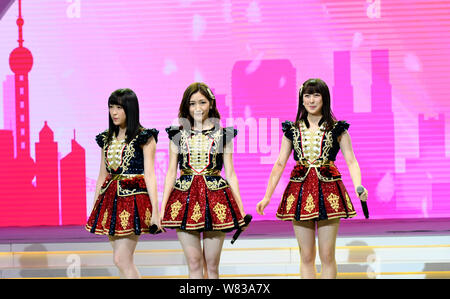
(274, 178)
(355, 173)
(150, 182)
(169, 183)
(100, 180)
(234, 186)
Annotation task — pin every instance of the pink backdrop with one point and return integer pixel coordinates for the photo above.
(386, 63)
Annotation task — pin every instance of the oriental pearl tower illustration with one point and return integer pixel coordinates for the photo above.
(21, 62)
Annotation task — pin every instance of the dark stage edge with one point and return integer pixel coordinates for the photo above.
(257, 230)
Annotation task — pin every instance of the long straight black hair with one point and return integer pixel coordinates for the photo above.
(126, 98)
(312, 86)
(183, 112)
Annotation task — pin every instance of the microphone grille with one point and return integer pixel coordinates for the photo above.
(360, 189)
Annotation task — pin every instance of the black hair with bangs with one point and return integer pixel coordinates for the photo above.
(311, 86)
(126, 98)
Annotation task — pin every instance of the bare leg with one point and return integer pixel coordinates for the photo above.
(327, 232)
(123, 255)
(190, 242)
(205, 267)
(306, 238)
(212, 247)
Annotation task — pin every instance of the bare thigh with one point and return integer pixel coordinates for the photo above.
(305, 233)
(327, 233)
(190, 242)
(124, 245)
(212, 245)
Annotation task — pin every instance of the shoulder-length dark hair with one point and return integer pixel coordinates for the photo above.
(183, 112)
(315, 86)
(126, 98)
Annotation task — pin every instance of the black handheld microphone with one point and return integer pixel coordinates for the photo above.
(360, 190)
(154, 230)
(247, 220)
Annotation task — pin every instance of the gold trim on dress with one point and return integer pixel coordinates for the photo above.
(126, 192)
(183, 184)
(125, 176)
(333, 199)
(175, 209)
(318, 163)
(349, 202)
(309, 204)
(208, 172)
(289, 201)
(124, 217)
(216, 184)
(328, 144)
(312, 142)
(105, 218)
(221, 211)
(199, 146)
(197, 214)
(148, 217)
(114, 154)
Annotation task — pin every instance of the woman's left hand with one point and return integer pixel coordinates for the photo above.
(157, 221)
(364, 195)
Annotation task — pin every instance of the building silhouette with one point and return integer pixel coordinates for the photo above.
(73, 185)
(47, 178)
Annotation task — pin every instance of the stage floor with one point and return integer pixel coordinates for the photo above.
(257, 230)
(408, 248)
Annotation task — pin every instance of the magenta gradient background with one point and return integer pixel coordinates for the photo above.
(387, 70)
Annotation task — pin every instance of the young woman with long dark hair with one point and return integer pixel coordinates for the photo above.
(315, 194)
(201, 200)
(126, 203)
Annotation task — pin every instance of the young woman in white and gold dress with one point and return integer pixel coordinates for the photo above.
(126, 203)
(315, 194)
(201, 200)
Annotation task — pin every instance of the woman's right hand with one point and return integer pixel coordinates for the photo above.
(262, 205)
(160, 218)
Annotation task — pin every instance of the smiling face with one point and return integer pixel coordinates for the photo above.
(118, 115)
(313, 103)
(199, 107)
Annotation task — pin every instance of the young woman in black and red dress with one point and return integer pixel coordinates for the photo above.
(201, 200)
(315, 194)
(126, 197)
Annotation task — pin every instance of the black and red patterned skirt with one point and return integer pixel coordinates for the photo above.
(202, 209)
(122, 208)
(315, 199)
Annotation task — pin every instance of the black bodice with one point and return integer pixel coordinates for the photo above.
(123, 158)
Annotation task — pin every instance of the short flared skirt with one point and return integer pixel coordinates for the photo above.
(313, 199)
(202, 209)
(116, 215)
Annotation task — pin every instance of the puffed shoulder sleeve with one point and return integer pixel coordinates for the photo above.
(286, 126)
(101, 138)
(340, 127)
(173, 131)
(228, 134)
(145, 135)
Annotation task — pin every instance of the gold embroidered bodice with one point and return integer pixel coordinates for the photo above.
(311, 142)
(201, 153)
(199, 149)
(114, 153)
(314, 149)
(123, 158)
